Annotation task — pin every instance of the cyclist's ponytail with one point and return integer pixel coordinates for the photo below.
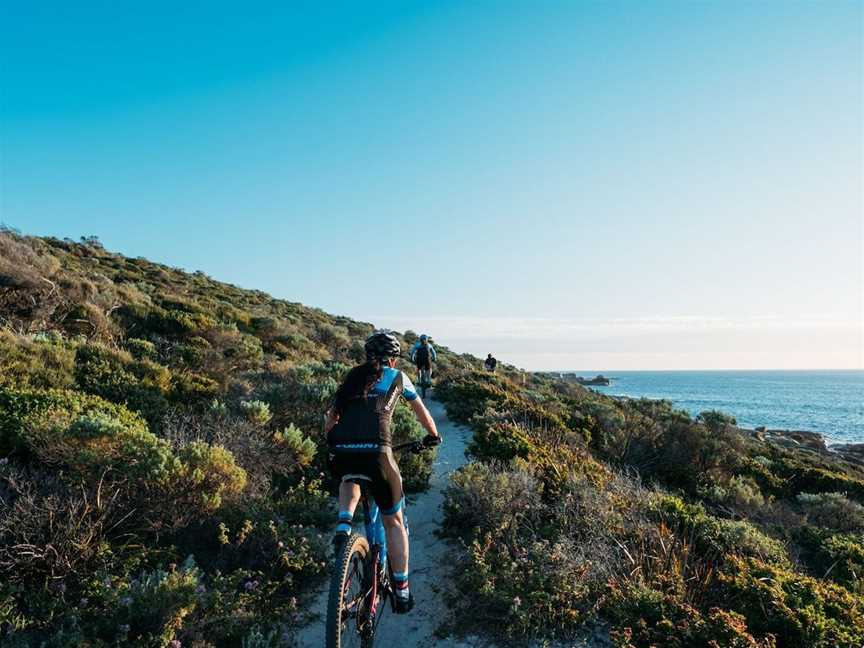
(357, 383)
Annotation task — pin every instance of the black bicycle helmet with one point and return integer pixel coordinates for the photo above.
(381, 345)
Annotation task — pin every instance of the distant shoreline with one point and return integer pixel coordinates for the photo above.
(821, 401)
(610, 373)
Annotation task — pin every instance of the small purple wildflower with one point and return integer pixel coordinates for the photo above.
(175, 643)
(124, 628)
(126, 600)
(200, 589)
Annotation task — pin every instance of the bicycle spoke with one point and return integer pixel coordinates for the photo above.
(353, 614)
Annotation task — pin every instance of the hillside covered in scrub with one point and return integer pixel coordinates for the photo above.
(160, 451)
(161, 483)
(581, 511)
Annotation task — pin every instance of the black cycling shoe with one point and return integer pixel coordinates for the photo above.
(404, 606)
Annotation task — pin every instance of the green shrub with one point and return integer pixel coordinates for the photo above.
(141, 349)
(494, 441)
(716, 536)
(416, 469)
(835, 556)
(256, 411)
(140, 385)
(832, 510)
(151, 609)
(243, 351)
(39, 362)
(202, 478)
(292, 440)
(645, 617)
(178, 323)
(188, 387)
(83, 432)
(715, 420)
(94, 443)
(802, 612)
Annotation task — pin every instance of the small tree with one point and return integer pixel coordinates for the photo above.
(715, 420)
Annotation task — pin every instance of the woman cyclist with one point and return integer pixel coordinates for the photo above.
(359, 439)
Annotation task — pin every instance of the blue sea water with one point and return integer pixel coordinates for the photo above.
(830, 402)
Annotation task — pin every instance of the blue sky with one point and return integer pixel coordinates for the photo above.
(569, 185)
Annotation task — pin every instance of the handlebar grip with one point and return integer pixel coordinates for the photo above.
(430, 441)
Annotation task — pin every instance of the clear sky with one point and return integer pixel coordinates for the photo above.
(566, 184)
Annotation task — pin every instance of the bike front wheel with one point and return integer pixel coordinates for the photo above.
(349, 622)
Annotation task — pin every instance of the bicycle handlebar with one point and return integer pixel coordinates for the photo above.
(411, 446)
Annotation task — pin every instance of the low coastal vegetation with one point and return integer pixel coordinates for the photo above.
(161, 467)
(162, 482)
(581, 511)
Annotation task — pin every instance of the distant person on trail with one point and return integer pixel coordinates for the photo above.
(490, 363)
(423, 354)
(359, 439)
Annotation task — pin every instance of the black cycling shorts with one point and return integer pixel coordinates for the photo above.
(424, 365)
(380, 467)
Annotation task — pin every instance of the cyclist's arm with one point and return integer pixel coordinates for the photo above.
(331, 418)
(410, 394)
(424, 416)
(433, 353)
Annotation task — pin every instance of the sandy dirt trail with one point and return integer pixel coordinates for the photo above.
(429, 556)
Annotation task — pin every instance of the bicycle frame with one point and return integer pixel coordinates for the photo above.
(365, 607)
(376, 535)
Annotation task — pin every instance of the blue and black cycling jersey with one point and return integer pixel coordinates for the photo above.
(390, 377)
(364, 425)
(422, 355)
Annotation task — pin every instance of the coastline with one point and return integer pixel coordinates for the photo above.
(819, 401)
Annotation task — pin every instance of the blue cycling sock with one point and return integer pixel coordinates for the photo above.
(344, 525)
(400, 583)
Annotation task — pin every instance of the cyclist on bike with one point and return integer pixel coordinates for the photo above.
(423, 354)
(359, 438)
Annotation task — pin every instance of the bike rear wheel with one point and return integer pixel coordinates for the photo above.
(348, 621)
(425, 381)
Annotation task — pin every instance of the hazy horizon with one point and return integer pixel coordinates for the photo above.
(627, 185)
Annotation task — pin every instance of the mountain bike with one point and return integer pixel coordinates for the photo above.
(425, 381)
(361, 586)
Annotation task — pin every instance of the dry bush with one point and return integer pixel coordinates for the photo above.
(49, 531)
(22, 266)
(259, 452)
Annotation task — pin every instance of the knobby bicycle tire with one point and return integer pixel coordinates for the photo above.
(356, 544)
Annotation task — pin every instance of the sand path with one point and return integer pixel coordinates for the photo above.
(429, 555)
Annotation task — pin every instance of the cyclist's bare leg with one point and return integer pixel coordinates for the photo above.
(397, 541)
(349, 496)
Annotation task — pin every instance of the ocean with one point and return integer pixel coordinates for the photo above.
(829, 402)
